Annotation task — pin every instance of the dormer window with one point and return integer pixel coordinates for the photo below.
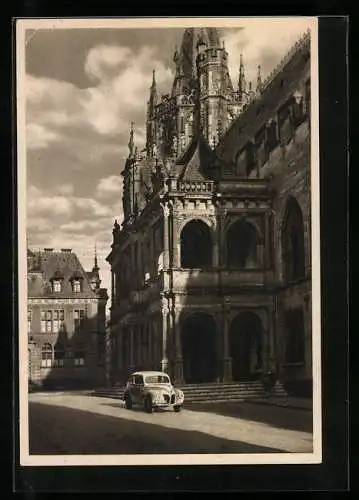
(56, 281)
(76, 286)
(56, 286)
(76, 282)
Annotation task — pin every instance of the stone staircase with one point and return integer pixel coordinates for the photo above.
(207, 393)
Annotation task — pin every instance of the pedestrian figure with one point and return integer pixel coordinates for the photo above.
(266, 381)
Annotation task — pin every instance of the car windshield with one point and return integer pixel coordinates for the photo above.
(157, 379)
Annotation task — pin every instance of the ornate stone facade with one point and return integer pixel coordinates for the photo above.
(211, 266)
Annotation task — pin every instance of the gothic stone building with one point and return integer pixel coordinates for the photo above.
(211, 266)
(66, 321)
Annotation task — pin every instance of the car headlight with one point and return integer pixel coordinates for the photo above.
(179, 394)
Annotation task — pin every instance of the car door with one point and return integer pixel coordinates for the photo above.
(137, 388)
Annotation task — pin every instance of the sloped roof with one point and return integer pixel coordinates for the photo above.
(196, 161)
(57, 264)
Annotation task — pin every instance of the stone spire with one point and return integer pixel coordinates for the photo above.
(131, 144)
(95, 267)
(153, 92)
(242, 86)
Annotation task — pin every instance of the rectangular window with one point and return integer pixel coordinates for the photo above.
(79, 358)
(271, 136)
(43, 321)
(79, 316)
(61, 319)
(76, 286)
(56, 286)
(48, 321)
(47, 362)
(29, 318)
(56, 323)
(295, 337)
(298, 110)
(46, 356)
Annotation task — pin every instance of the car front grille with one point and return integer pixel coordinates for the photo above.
(173, 398)
(166, 398)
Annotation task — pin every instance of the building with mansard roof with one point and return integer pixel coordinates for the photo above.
(211, 265)
(66, 321)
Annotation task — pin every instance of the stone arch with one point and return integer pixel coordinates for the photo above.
(243, 244)
(292, 239)
(246, 345)
(199, 339)
(196, 244)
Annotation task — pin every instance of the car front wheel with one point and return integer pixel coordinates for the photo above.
(177, 408)
(128, 402)
(148, 405)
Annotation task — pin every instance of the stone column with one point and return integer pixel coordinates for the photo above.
(267, 241)
(216, 248)
(176, 242)
(272, 348)
(164, 355)
(139, 263)
(178, 368)
(227, 360)
(165, 237)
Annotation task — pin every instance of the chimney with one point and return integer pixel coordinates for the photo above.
(67, 250)
(48, 249)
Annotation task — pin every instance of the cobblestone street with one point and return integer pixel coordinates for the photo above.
(80, 424)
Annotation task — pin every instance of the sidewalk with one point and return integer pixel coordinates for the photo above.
(285, 402)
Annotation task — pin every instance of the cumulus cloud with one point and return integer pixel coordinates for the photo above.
(39, 137)
(65, 189)
(103, 61)
(109, 186)
(47, 204)
(124, 80)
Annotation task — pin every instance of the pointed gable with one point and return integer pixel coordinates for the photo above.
(196, 162)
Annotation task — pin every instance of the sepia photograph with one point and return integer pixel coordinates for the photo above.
(168, 241)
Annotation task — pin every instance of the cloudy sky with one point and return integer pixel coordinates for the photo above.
(83, 88)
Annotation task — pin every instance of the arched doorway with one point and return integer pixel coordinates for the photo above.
(242, 245)
(199, 349)
(196, 245)
(293, 242)
(246, 346)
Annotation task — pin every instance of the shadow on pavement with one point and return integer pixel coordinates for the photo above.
(279, 417)
(59, 430)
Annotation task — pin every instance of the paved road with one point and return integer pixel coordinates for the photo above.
(80, 424)
(275, 416)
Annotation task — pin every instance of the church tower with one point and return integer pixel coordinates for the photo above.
(202, 100)
(215, 86)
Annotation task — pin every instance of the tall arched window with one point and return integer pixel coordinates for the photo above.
(196, 245)
(46, 355)
(293, 242)
(242, 245)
